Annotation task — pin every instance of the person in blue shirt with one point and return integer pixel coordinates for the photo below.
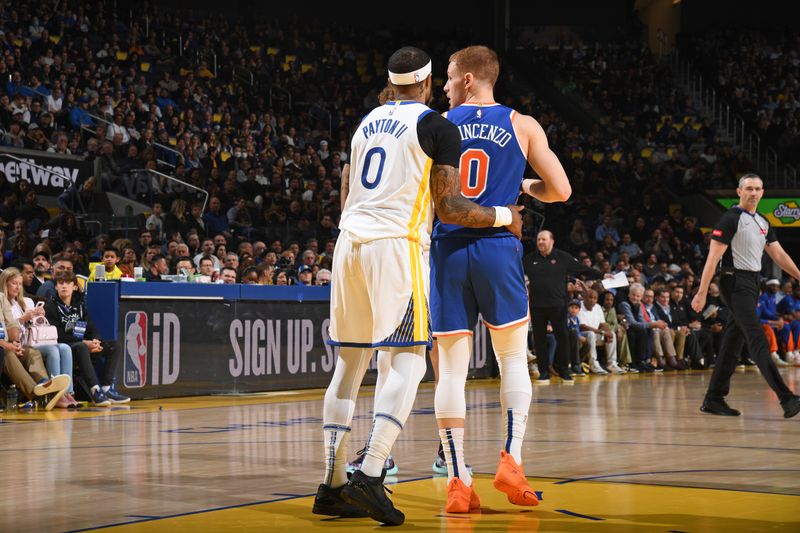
(769, 315)
(789, 309)
(575, 338)
(215, 219)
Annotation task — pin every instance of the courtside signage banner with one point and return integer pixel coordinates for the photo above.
(781, 212)
(48, 173)
(193, 347)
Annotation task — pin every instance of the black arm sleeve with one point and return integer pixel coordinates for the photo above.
(439, 139)
(726, 227)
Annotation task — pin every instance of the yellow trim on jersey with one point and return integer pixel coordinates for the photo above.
(418, 217)
(418, 293)
(419, 213)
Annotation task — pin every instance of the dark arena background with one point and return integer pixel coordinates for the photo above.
(184, 161)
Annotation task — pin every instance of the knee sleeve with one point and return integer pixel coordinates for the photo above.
(398, 393)
(454, 355)
(340, 398)
(510, 349)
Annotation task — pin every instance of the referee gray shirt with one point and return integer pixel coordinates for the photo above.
(746, 235)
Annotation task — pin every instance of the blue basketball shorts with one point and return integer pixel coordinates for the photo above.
(471, 276)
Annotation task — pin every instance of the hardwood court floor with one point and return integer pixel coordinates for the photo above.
(624, 453)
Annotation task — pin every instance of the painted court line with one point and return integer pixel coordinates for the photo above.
(578, 515)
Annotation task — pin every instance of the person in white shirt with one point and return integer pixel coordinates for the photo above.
(598, 333)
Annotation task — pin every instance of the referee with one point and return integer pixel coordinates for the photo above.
(547, 269)
(739, 239)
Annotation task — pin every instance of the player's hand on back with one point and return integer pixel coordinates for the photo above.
(516, 220)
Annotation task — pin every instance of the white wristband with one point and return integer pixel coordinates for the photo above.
(527, 184)
(502, 217)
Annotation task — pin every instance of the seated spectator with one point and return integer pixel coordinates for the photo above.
(597, 333)
(68, 313)
(110, 260)
(207, 266)
(60, 264)
(207, 250)
(305, 275)
(769, 316)
(183, 265)
(674, 316)
(158, 267)
(663, 341)
(57, 357)
(323, 277)
(250, 276)
(629, 247)
(281, 277)
(228, 275)
(619, 329)
(23, 365)
(789, 309)
(639, 331)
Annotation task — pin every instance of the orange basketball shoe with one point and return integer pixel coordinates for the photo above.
(461, 498)
(511, 479)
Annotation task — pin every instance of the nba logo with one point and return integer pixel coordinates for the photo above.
(135, 368)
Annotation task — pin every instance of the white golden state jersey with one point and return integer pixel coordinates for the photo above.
(389, 195)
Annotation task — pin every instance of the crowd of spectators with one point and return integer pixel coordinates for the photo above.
(82, 81)
(758, 73)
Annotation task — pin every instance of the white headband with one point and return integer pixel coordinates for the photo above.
(410, 78)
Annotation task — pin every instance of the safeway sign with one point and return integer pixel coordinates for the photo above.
(49, 174)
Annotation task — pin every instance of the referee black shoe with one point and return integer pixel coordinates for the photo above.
(368, 493)
(718, 407)
(329, 502)
(792, 407)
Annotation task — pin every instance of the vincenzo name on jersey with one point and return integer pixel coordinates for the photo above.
(489, 132)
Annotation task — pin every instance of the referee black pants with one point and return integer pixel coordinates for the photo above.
(739, 292)
(557, 317)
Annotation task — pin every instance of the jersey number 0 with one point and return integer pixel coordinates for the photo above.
(474, 172)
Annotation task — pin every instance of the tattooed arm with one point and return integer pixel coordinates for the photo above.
(452, 208)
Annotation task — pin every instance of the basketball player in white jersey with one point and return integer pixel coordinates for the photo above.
(404, 157)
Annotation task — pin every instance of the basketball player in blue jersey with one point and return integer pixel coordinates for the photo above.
(404, 157)
(479, 270)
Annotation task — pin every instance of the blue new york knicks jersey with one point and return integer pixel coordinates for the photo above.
(479, 270)
(492, 163)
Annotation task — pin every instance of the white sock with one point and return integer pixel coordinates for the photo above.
(106, 388)
(335, 471)
(453, 445)
(514, 423)
(393, 405)
(385, 430)
(95, 388)
(510, 346)
(337, 411)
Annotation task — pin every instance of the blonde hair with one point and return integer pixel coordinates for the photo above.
(6, 276)
(480, 61)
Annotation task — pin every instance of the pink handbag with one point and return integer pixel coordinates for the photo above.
(41, 333)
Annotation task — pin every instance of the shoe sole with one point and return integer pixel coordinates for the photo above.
(57, 396)
(55, 384)
(514, 493)
(355, 497)
(127, 400)
(439, 470)
(712, 412)
(324, 510)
